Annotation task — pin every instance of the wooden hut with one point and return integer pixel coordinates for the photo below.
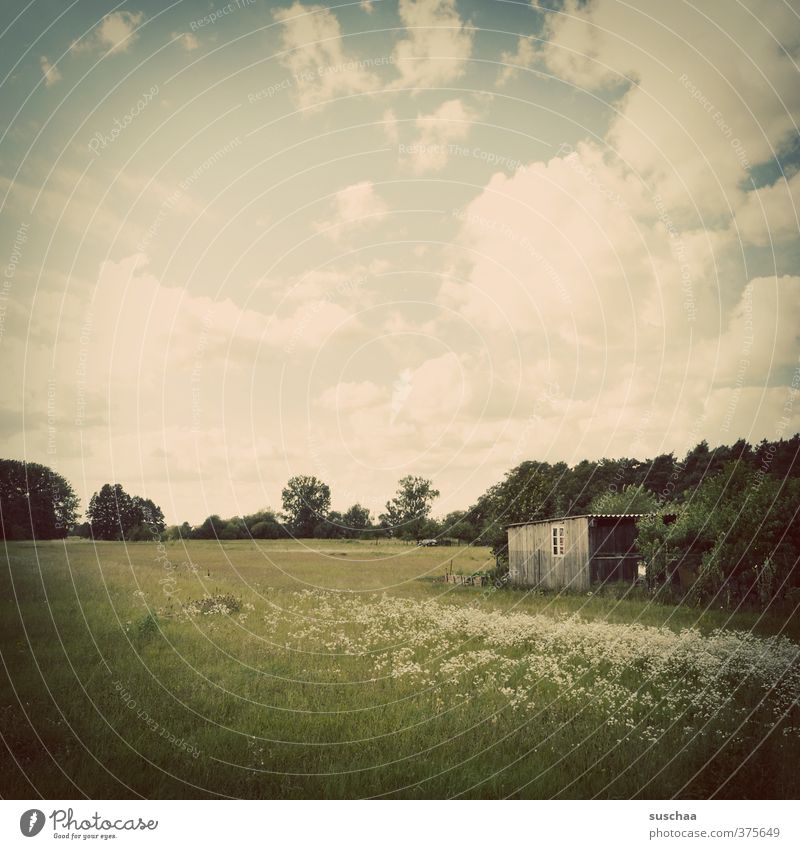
(574, 552)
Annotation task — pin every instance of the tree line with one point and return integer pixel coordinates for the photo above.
(307, 514)
(537, 490)
(736, 529)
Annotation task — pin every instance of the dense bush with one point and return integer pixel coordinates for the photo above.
(737, 539)
(210, 529)
(267, 530)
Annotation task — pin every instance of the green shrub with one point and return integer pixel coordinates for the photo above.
(147, 627)
(737, 539)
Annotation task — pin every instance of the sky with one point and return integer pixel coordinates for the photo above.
(245, 241)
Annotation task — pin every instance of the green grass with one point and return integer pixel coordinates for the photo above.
(346, 669)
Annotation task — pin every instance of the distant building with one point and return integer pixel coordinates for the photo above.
(574, 552)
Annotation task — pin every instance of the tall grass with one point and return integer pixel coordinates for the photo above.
(346, 670)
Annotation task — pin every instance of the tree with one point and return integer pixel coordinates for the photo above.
(577, 486)
(658, 477)
(176, 532)
(306, 501)
(148, 514)
(460, 524)
(84, 530)
(406, 512)
(116, 515)
(234, 529)
(330, 527)
(35, 502)
(697, 464)
(356, 521)
(427, 529)
(630, 499)
(528, 492)
(210, 529)
(264, 525)
(111, 512)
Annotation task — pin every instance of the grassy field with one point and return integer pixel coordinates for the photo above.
(346, 669)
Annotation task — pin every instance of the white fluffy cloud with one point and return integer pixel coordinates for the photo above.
(187, 40)
(523, 57)
(355, 206)
(610, 301)
(437, 45)
(390, 126)
(160, 388)
(418, 412)
(437, 131)
(760, 342)
(711, 93)
(315, 55)
(771, 215)
(613, 274)
(115, 33)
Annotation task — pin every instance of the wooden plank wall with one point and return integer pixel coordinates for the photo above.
(531, 559)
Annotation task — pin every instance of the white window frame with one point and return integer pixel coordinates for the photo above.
(558, 540)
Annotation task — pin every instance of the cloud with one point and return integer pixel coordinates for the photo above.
(357, 205)
(51, 74)
(315, 56)
(141, 329)
(153, 317)
(615, 272)
(418, 412)
(437, 46)
(438, 130)
(553, 243)
(348, 396)
(115, 33)
(187, 40)
(390, 126)
(760, 342)
(438, 391)
(72, 208)
(694, 120)
(523, 57)
(77, 201)
(137, 365)
(598, 301)
(574, 271)
(770, 215)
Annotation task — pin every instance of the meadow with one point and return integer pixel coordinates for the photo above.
(340, 669)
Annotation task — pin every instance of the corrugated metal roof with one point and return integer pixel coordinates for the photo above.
(584, 516)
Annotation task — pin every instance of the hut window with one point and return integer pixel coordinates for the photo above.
(558, 540)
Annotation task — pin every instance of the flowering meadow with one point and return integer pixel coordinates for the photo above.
(289, 672)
